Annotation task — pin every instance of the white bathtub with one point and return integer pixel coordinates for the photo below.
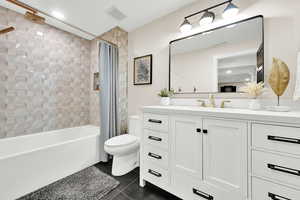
(30, 162)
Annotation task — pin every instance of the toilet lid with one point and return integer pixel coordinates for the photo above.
(121, 140)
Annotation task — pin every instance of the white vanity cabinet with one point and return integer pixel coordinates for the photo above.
(208, 157)
(225, 157)
(186, 154)
(220, 155)
(275, 162)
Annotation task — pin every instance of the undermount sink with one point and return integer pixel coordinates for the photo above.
(195, 107)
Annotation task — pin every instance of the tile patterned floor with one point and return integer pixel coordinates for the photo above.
(129, 188)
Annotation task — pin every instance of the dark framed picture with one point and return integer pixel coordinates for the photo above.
(142, 72)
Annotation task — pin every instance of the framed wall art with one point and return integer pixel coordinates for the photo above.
(142, 70)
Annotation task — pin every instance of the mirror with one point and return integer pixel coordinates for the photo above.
(219, 60)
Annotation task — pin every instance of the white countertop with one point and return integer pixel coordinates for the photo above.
(292, 117)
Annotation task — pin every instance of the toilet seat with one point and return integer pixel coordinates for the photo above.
(122, 140)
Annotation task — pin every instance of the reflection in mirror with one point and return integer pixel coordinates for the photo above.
(220, 60)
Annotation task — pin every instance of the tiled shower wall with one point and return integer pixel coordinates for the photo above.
(120, 38)
(44, 78)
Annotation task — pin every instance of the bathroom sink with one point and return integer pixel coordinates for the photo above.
(199, 107)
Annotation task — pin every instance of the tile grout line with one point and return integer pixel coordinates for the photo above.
(113, 196)
(127, 196)
(121, 191)
(129, 184)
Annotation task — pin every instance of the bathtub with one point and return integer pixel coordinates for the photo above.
(30, 162)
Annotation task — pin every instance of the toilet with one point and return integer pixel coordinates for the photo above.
(125, 148)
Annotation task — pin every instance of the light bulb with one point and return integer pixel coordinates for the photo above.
(207, 18)
(185, 26)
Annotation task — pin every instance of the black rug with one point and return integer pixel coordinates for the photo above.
(88, 184)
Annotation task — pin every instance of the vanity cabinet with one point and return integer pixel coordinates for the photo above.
(186, 146)
(199, 148)
(220, 156)
(275, 162)
(186, 154)
(225, 157)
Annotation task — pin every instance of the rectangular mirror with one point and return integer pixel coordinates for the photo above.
(219, 60)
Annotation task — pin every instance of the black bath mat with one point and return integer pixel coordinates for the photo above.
(88, 184)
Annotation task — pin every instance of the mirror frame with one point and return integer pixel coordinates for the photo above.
(213, 29)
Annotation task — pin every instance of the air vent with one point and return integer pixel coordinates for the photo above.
(115, 13)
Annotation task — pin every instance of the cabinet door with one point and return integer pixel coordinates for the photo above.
(186, 152)
(225, 157)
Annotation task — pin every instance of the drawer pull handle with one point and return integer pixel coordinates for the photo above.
(150, 171)
(284, 169)
(153, 155)
(277, 197)
(202, 194)
(155, 121)
(155, 138)
(284, 139)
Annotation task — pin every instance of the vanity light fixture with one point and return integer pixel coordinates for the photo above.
(185, 26)
(208, 17)
(230, 11)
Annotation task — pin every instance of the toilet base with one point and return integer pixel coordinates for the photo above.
(125, 163)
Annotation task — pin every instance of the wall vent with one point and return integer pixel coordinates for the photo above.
(115, 13)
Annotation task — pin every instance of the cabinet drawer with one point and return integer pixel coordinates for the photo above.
(281, 168)
(156, 139)
(192, 188)
(263, 190)
(276, 138)
(156, 175)
(156, 122)
(156, 156)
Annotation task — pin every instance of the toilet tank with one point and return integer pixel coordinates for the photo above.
(135, 125)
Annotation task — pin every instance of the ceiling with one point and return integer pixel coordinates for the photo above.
(92, 15)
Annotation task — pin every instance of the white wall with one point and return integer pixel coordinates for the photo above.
(282, 40)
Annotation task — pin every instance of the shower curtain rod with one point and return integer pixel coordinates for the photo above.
(34, 10)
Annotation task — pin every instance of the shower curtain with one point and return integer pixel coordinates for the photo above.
(109, 95)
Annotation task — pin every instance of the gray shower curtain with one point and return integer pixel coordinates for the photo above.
(109, 95)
